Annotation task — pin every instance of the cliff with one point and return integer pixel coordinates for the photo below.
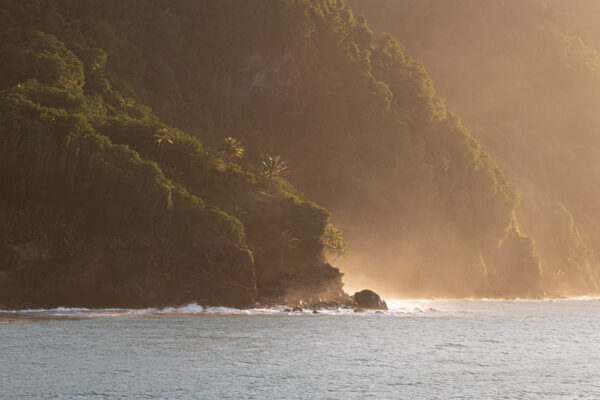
(526, 77)
(92, 91)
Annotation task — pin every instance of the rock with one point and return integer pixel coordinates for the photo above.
(369, 300)
(287, 310)
(329, 305)
(315, 311)
(359, 310)
(297, 309)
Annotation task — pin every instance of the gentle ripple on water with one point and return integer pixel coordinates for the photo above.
(418, 350)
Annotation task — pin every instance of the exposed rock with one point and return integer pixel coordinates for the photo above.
(297, 309)
(318, 285)
(369, 300)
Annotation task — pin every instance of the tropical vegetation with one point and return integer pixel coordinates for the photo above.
(85, 86)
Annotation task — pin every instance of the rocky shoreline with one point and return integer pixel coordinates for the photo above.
(359, 302)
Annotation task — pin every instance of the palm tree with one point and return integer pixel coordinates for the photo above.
(161, 139)
(333, 239)
(127, 103)
(340, 250)
(272, 166)
(231, 149)
(287, 241)
(331, 236)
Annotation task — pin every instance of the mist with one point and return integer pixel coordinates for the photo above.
(226, 199)
(525, 78)
(454, 144)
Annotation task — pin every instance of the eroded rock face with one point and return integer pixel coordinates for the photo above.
(367, 299)
(316, 286)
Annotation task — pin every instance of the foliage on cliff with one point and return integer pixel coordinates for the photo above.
(76, 153)
(358, 120)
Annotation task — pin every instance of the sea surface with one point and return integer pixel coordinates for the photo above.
(444, 349)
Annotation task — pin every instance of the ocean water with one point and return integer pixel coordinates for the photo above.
(446, 349)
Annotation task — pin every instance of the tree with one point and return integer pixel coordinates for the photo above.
(333, 239)
(340, 250)
(331, 236)
(161, 139)
(287, 241)
(272, 166)
(127, 103)
(231, 148)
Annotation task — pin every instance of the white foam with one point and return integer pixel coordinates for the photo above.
(59, 310)
(582, 298)
(192, 308)
(397, 308)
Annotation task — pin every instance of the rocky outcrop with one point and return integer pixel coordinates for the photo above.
(317, 286)
(367, 299)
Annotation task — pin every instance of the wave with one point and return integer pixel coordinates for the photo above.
(396, 309)
(65, 310)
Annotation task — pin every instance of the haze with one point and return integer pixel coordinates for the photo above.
(525, 78)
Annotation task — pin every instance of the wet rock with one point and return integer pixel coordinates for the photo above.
(328, 305)
(369, 300)
(297, 309)
(359, 310)
(287, 310)
(315, 311)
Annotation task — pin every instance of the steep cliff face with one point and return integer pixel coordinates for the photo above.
(88, 222)
(525, 75)
(97, 212)
(424, 208)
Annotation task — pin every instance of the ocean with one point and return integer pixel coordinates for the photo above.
(420, 349)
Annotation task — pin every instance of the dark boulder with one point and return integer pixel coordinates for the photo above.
(369, 300)
(297, 309)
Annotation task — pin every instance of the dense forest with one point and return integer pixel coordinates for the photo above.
(143, 146)
(525, 75)
(103, 203)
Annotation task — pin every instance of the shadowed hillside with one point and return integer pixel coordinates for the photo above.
(158, 87)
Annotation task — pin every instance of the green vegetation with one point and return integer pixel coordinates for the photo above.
(150, 214)
(356, 118)
(231, 149)
(162, 139)
(333, 239)
(271, 167)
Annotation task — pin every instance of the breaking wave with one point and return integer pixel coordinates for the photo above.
(396, 309)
